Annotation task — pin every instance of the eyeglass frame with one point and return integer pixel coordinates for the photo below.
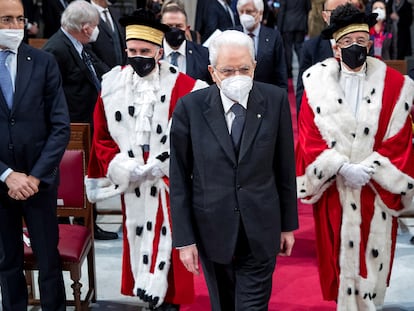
(228, 72)
(10, 20)
(360, 41)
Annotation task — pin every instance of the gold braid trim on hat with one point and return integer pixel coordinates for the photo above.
(348, 29)
(142, 32)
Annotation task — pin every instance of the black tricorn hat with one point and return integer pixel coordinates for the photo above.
(142, 25)
(346, 19)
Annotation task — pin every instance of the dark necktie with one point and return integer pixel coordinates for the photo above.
(237, 125)
(88, 62)
(5, 79)
(251, 35)
(174, 58)
(106, 19)
(230, 13)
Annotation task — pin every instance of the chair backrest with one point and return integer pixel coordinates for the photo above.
(397, 64)
(37, 42)
(72, 199)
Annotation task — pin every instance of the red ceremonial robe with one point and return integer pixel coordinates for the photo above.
(115, 145)
(355, 229)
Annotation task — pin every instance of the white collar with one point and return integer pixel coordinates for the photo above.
(168, 50)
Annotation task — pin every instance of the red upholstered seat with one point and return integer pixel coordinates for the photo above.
(75, 241)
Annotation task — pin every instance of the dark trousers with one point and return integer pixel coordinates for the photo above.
(243, 284)
(292, 39)
(39, 213)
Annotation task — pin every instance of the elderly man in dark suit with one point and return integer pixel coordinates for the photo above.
(232, 178)
(110, 44)
(81, 69)
(190, 58)
(34, 124)
(270, 54)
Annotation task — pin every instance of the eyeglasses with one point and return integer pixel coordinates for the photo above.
(348, 41)
(228, 72)
(10, 20)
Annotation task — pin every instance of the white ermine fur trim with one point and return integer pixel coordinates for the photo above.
(98, 189)
(350, 138)
(124, 114)
(402, 108)
(319, 175)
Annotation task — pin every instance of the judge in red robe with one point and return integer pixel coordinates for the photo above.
(130, 157)
(355, 163)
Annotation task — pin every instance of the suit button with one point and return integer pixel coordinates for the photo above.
(238, 187)
(12, 121)
(11, 147)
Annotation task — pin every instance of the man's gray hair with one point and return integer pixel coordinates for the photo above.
(258, 4)
(229, 38)
(77, 14)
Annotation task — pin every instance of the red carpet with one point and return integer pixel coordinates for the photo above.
(295, 281)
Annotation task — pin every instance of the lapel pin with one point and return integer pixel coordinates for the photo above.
(190, 51)
(267, 39)
(28, 58)
(258, 115)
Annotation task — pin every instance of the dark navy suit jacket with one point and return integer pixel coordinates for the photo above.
(196, 57)
(35, 132)
(108, 49)
(212, 190)
(78, 84)
(271, 62)
(216, 17)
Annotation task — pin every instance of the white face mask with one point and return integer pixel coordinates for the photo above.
(247, 21)
(381, 14)
(94, 34)
(11, 38)
(236, 88)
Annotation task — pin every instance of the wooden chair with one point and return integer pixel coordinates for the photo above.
(37, 43)
(398, 64)
(76, 242)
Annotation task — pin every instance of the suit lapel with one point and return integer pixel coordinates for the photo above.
(77, 58)
(263, 42)
(23, 74)
(214, 114)
(189, 58)
(254, 114)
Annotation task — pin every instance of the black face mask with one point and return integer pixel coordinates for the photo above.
(354, 56)
(175, 37)
(142, 65)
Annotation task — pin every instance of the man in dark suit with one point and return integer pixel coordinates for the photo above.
(315, 50)
(81, 70)
(51, 12)
(232, 178)
(34, 124)
(189, 57)
(292, 22)
(110, 44)
(270, 54)
(218, 15)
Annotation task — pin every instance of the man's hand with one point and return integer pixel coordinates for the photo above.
(287, 240)
(21, 186)
(189, 258)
